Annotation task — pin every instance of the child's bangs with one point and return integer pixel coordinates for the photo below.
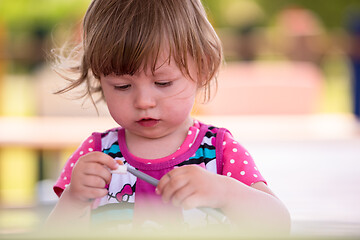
(127, 55)
(124, 37)
(128, 42)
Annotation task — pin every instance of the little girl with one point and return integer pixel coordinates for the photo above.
(149, 60)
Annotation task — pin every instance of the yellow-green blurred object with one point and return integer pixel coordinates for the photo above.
(18, 96)
(65, 154)
(12, 221)
(18, 176)
(337, 97)
(18, 165)
(2, 58)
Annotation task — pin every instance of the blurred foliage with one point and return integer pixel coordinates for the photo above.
(31, 26)
(30, 23)
(331, 12)
(27, 15)
(35, 15)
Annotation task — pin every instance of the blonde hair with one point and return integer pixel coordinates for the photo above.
(120, 36)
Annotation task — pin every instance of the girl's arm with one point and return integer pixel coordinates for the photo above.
(254, 210)
(89, 177)
(238, 163)
(240, 192)
(69, 212)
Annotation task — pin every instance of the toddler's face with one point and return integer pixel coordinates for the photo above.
(152, 105)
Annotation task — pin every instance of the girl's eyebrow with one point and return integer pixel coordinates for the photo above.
(117, 78)
(167, 74)
(167, 70)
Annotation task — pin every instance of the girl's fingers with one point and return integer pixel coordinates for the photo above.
(84, 193)
(95, 182)
(95, 169)
(174, 184)
(102, 158)
(91, 174)
(181, 195)
(93, 193)
(189, 187)
(166, 179)
(98, 164)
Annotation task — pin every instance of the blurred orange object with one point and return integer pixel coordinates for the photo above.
(266, 88)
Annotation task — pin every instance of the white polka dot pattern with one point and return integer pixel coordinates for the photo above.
(64, 180)
(238, 163)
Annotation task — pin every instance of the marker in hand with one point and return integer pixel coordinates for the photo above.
(122, 169)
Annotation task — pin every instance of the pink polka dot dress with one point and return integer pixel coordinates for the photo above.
(213, 148)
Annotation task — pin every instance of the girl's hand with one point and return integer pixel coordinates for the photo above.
(192, 186)
(90, 175)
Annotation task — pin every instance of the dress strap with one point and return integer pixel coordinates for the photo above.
(97, 141)
(219, 149)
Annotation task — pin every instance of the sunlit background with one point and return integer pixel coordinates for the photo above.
(287, 92)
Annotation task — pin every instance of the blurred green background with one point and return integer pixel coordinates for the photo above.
(30, 28)
(252, 31)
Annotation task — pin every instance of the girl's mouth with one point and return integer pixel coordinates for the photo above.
(148, 122)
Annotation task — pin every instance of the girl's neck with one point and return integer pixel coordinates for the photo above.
(154, 148)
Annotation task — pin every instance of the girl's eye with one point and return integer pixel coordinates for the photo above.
(163, 84)
(122, 87)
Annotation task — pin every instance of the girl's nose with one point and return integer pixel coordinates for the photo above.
(144, 100)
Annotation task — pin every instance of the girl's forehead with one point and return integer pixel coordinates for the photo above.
(163, 63)
(165, 66)
(162, 67)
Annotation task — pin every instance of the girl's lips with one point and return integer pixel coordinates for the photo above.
(148, 122)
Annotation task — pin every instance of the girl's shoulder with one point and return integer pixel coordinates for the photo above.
(106, 138)
(106, 133)
(208, 127)
(214, 131)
